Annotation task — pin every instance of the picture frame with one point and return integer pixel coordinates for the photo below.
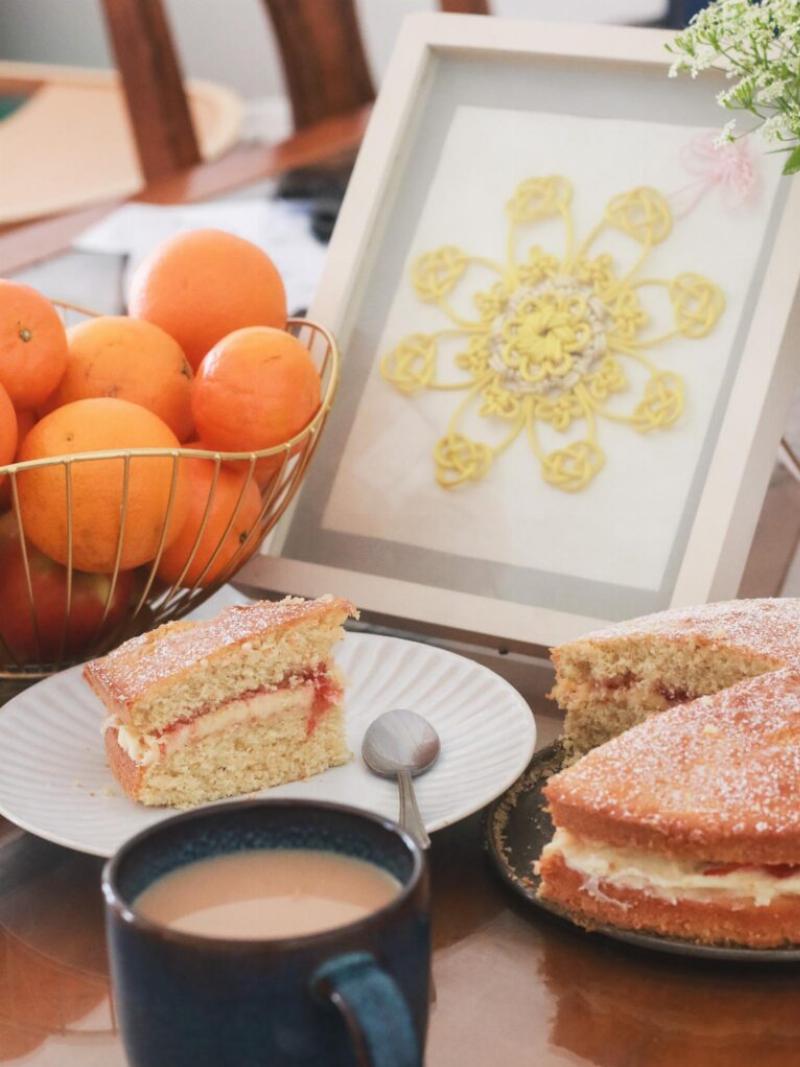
(580, 86)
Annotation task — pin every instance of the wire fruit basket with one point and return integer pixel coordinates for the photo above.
(137, 600)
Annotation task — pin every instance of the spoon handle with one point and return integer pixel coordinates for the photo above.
(410, 818)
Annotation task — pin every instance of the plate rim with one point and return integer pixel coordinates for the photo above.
(670, 946)
(526, 757)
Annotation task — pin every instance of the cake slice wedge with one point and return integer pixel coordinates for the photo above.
(616, 677)
(688, 824)
(198, 711)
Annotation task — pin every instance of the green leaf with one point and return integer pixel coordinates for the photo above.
(792, 164)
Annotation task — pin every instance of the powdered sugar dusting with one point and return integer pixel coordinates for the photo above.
(722, 767)
(767, 627)
(176, 646)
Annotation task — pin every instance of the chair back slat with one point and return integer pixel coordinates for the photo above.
(465, 7)
(324, 61)
(151, 76)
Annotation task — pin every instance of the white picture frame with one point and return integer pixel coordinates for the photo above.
(615, 69)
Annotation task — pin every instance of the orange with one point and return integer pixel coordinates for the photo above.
(130, 359)
(9, 434)
(226, 494)
(257, 388)
(33, 345)
(47, 405)
(25, 420)
(87, 426)
(8, 429)
(201, 285)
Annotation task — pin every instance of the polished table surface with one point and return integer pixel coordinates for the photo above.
(513, 986)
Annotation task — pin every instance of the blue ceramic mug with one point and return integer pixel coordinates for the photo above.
(354, 996)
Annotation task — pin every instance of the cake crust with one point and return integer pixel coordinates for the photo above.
(716, 779)
(768, 627)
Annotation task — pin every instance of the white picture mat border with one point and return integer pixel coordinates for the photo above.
(744, 453)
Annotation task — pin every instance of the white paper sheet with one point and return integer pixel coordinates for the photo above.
(280, 227)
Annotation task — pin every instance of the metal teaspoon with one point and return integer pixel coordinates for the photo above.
(401, 744)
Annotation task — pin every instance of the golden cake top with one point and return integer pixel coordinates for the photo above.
(125, 674)
(766, 627)
(717, 778)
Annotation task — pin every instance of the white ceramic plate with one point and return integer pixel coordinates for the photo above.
(54, 780)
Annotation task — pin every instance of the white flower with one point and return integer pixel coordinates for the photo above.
(726, 135)
(757, 43)
(702, 59)
(725, 97)
(773, 91)
(775, 129)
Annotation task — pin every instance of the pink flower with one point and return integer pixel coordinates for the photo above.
(728, 167)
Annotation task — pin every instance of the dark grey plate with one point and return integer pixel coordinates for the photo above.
(518, 828)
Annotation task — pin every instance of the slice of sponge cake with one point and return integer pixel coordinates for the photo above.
(204, 710)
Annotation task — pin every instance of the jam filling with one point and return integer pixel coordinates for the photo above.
(327, 692)
(675, 694)
(774, 870)
(620, 681)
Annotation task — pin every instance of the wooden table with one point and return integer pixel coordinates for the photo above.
(331, 141)
(514, 987)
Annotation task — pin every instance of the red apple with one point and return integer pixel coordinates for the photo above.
(49, 586)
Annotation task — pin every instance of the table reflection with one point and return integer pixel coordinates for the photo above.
(616, 1006)
(53, 975)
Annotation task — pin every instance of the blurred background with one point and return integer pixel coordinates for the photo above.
(230, 41)
(233, 44)
(102, 100)
(112, 95)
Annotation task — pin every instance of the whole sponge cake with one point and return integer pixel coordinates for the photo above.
(688, 824)
(616, 677)
(203, 710)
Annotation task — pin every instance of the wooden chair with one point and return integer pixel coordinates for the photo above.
(322, 52)
(324, 61)
(152, 80)
(157, 104)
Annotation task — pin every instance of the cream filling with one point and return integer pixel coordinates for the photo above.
(664, 876)
(145, 749)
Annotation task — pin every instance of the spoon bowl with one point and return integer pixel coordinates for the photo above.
(401, 744)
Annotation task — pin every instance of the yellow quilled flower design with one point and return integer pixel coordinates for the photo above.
(552, 337)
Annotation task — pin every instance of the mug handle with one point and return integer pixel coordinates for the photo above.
(373, 1008)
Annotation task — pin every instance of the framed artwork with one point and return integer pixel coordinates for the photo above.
(565, 323)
